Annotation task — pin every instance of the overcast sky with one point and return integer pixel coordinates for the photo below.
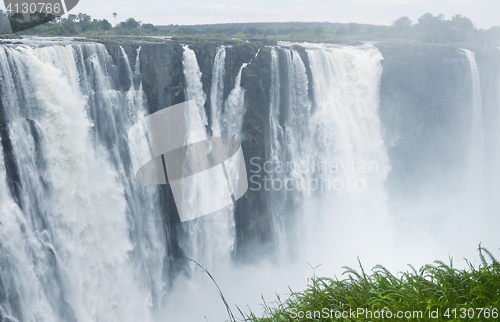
(484, 13)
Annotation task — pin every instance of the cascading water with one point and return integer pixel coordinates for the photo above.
(234, 109)
(274, 154)
(299, 132)
(332, 151)
(194, 87)
(217, 90)
(82, 240)
(147, 236)
(92, 249)
(288, 133)
(476, 137)
(209, 240)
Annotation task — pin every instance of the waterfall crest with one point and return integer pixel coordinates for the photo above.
(476, 137)
(217, 90)
(194, 87)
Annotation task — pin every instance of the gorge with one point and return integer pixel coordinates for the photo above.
(393, 151)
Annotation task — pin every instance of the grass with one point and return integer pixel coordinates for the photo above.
(439, 291)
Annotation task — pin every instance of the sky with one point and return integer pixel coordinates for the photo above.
(484, 13)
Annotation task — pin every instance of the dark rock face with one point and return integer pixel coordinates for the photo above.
(115, 52)
(253, 224)
(425, 104)
(162, 75)
(205, 56)
(161, 71)
(13, 179)
(423, 89)
(163, 84)
(425, 93)
(488, 63)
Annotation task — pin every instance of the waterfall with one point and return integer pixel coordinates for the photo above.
(210, 239)
(136, 104)
(274, 154)
(127, 66)
(146, 230)
(475, 157)
(332, 151)
(217, 90)
(137, 66)
(82, 240)
(18, 276)
(308, 221)
(348, 131)
(274, 95)
(288, 132)
(234, 108)
(92, 248)
(194, 87)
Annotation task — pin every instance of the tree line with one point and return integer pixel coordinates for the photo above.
(427, 28)
(80, 25)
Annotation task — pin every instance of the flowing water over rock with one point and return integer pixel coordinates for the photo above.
(92, 250)
(346, 156)
(217, 90)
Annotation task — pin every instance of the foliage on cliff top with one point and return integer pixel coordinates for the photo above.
(428, 29)
(438, 286)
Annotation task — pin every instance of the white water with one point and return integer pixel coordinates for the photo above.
(95, 238)
(85, 236)
(275, 153)
(210, 239)
(310, 225)
(194, 87)
(475, 156)
(234, 109)
(217, 90)
(303, 132)
(19, 275)
(290, 132)
(339, 138)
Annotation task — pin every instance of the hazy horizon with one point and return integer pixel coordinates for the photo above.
(484, 13)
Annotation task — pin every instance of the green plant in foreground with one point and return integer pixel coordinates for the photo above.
(437, 292)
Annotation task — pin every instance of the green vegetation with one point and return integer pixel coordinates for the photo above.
(80, 25)
(428, 28)
(246, 50)
(458, 295)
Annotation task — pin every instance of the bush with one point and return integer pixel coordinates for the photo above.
(438, 286)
